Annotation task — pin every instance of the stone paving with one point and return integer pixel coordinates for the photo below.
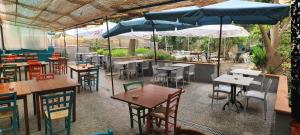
(96, 111)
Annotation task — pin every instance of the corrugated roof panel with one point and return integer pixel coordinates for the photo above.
(26, 12)
(7, 8)
(66, 20)
(41, 4)
(62, 6)
(47, 16)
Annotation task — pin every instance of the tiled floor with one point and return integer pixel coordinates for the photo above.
(97, 111)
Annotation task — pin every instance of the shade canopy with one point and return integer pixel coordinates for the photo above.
(208, 31)
(232, 11)
(141, 24)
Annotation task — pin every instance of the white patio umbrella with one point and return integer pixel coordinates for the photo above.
(211, 31)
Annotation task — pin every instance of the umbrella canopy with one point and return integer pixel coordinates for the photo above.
(232, 11)
(141, 24)
(208, 31)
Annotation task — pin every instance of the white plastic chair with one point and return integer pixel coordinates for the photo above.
(222, 88)
(191, 72)
(260, 95)
(177, 76)
(159, 76)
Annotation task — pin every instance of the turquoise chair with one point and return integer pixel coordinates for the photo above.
(140, 111)
(91, 77)
(58, 109)
(10, 70)
(108, 132)
(9, 109)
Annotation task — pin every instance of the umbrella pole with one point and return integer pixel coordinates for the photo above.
(110, 62)
(65, 45)
(188, 41)
(154, 45)
(219, 50)
(166, 45)
(77, 49)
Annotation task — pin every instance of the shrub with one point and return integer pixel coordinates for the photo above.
(119, 52)
(160, 55)
(259, 56)
(142, 51)
(100, 51)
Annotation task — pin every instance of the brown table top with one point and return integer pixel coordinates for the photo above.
(23, 64)
(149, 96)
(20, 87)
(81, 67)
(53, 84)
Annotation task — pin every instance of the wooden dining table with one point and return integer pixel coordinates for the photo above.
(60, 83)
(22, 90)
(150, 96)
(82, 68)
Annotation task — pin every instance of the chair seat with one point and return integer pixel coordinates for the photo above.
(57, 115)
(255, 94)
(223, 88)
(6, 114)
(160, 112)
(256, 83)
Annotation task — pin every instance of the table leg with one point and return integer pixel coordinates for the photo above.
(79, 80)
(66, 67)
(71, 73)
(34, 103)
(26, 72)
(37, 96)
(97, 83)
(26, 115)
(50, 66)
(74, 106)
(19, 73)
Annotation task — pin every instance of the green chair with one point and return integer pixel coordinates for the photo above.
(91, 77)
(139, 109)
(58, 109)
(10, 70)
(9, 109)
(108, 132)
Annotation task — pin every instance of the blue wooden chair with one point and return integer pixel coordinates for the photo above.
(91, 77)
(9, 109)
(58, 109)
(108, 132)
(140, 111)
(10, 71)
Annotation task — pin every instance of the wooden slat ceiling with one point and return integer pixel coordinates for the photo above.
(64, 14)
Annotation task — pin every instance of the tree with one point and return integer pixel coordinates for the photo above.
(271, 36)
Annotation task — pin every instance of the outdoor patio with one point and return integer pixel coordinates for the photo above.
(96, 111)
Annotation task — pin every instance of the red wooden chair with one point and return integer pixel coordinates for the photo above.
(165, 113)
(45, 77)
(11, 58)
(59, 66)
(35, 69)
(55, 55)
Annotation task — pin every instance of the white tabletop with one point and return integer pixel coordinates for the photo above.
(246, 72)
(181, 65)
(128, 61)
(236, 80)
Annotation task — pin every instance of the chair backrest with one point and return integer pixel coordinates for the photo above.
(172, 106)
(53, 105)
(93, 70)
(4, 79)
(154, 69)
(56, 54)
(268, 87)
(133, 85)
(35, 68)
(179, 72)
(182, 131)
(131, 66)
(32, 61)
(11, 58)
(10, 70)
(45, 77)
(108, 132)
(192, 69)
(145, 64)
(8, 102)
